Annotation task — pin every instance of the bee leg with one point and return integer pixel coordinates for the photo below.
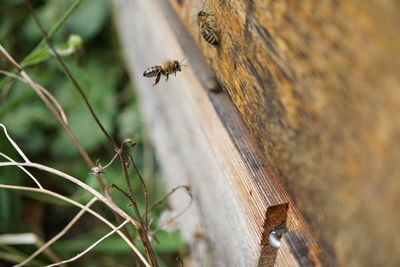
(157, 79)
(166, 79)
(212, 28)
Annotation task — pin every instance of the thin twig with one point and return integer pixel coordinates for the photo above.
(4, 54)
(59, 235)
(146, 202)
(160, 201)
(13, 143)
(100, 169)
(89, 248)
(143, 231)
(120, 190)
(23, 169)
(188, 191)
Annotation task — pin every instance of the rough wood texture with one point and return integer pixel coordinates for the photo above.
(201, 140)
(318, 84)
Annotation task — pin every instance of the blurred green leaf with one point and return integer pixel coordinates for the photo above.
(14, 102)
(37, 57)
(168, 242)
(48, 14)
(89, 19)
(99, 85)
(129, 124)
(10, 203)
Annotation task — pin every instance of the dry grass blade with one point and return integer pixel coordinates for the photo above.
(13, 143)
(18, 239)
(56, 195)
(76, 181)
(23, 169)
(59, 235)
(89, 248)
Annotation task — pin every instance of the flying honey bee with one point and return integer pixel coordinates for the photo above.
(167, 68)
(207, 26)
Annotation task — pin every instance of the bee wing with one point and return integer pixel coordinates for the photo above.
(157, 79)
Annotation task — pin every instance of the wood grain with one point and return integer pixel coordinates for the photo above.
(318, 85)
(201, 140)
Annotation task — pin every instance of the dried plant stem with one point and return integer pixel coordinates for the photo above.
(23, 169)
(73, 138)
(16, 147)
(144, 237)
(89, 248)
(48, 192)
(143, 230)
(76, 181)
(50, 254)
(39, 92)
(59, 235)
(160, 201)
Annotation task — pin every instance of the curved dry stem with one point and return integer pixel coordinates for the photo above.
(55, 102)
(44, 91)
(76, 181)
(161, 200)
(59, 235)
(24, 170)
(89, 248)
(12, 75)
(188, 191)
(73, 202)
(13, 143)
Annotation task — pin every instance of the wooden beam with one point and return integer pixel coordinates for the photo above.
(317, 83)
(201, 140)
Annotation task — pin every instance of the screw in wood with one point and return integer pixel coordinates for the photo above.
(275, 236)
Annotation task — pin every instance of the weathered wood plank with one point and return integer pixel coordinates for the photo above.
(237, 196)
(318, 84)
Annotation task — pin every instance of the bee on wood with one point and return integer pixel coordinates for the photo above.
(167, 68)
(207, 27)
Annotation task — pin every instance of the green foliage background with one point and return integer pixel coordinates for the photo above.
(98, 66)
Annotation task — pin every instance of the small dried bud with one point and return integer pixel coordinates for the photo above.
(97, 170)
(130, 142)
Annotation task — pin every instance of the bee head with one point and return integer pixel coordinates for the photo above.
(202, 14)
(177, 65)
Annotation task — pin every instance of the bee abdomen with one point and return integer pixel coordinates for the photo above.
(152, 71)
(210, 36)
